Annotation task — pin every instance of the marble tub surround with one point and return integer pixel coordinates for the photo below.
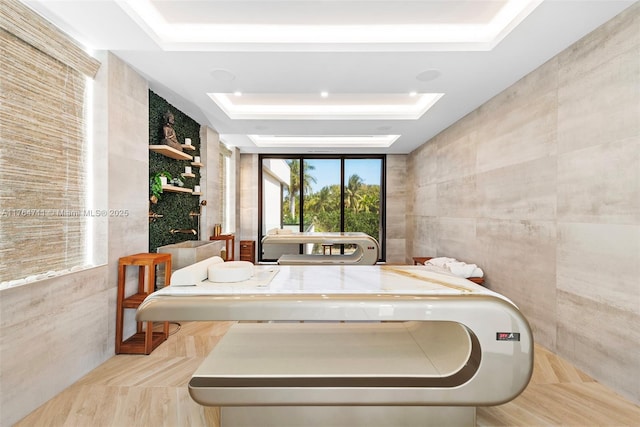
(541, 186)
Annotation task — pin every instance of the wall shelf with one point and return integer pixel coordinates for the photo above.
(198, 165)
(174, 189)
(188, 175)
(188, 147)
(165, 150)
(196, 194)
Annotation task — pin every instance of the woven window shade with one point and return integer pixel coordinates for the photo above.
(42, 162)
(19, 20)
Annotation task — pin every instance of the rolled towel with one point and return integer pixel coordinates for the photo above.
(230, 271)
(477, 273)
(440, 261)
(461, 269)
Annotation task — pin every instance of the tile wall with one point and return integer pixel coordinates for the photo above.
(540, 186)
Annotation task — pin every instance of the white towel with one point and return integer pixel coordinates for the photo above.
(440, 261)
(455, 267)
(461, 269)
(477, 273)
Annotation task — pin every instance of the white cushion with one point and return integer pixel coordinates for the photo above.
(194, 273)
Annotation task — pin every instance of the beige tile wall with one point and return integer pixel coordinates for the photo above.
(209, 181)
(55, 331)
(396, 209)
(248, 200)
(541, 187)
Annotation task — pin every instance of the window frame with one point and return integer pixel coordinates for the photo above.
(342, 158)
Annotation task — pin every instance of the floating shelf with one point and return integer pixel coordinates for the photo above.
(188, 175)
(198, 165)
(165, 150)
(196, 194)
(174, 189)
(188, 147)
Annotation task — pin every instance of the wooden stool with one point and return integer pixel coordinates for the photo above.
(325, 247)
(230, 245)
(144, 340)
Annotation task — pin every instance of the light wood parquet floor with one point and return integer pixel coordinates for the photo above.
(136, 390)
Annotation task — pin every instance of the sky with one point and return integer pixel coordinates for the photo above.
(327, 172)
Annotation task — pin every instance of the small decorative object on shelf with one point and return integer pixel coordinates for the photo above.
(196, 188)
(187, 144)
(187, 172)
(196, 162)
(170, 137)
(157, 182)
(177, 182)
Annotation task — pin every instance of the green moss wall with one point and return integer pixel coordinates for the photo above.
(175, 207)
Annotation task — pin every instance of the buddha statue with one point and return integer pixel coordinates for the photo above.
(170, 137)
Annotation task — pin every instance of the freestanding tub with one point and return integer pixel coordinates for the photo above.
(191, 251)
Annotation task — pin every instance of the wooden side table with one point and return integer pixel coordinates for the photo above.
(248, 251)
(144, 341)
(230, 244)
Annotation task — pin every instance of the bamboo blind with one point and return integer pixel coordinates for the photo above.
(43, 217)
(21, 21)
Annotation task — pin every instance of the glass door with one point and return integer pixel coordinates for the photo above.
(320, 194)
(362, 197)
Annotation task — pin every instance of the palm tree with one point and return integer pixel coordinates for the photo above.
(353, 186)
(294, 187)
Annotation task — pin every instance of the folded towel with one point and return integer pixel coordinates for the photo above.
(455, 267)
(477, 273)
(461, 269)
(440, 261)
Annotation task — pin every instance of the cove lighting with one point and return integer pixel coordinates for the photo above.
(325, 141)
(199, 31)
(339, 107)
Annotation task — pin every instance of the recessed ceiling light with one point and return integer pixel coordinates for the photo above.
(324, 94)
(237, 93)
(412, 94)
(324, 141)
(269, 106)
(428, 75)
(223, 75)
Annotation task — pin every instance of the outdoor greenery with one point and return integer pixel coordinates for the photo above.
(322, 208)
